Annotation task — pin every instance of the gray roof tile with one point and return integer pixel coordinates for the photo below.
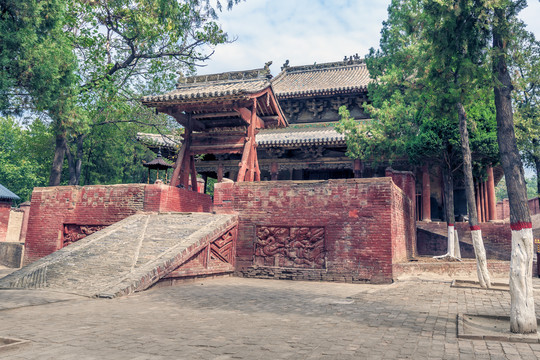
(226, 85)
(6, 194)
(322, 79)
(300, 136)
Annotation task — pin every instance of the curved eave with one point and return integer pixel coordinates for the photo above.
(155, 101)
(303, 142)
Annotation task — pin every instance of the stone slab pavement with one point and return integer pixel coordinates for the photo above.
(237, 318)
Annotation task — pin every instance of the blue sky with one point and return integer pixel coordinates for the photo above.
(307, 31)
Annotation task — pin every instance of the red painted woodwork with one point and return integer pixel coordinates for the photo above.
(491, 194)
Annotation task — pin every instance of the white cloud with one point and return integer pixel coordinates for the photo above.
(306, 31)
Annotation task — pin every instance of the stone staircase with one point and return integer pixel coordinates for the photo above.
(133, 254)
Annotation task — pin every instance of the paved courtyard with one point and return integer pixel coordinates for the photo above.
(236, 318)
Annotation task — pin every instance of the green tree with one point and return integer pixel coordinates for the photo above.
(457, 32)
(24, 156)
(79, 61)
(418, 80)
(36, 60)
(525, 66)
(126, 49)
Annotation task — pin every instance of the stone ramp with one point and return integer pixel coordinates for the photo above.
(125, 257)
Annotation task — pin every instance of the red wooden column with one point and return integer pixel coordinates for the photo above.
(478, 203)
(491, 194)
(249, 165)
(486, 207)
(426, 194)
(181, 169)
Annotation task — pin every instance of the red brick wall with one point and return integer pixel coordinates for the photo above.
(53, 207)
(166, 198)
(362, 237)
(404, 211)
(5, 208)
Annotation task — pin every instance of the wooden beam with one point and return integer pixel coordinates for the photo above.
(193, 124)
(215, 115)
(215, 149)
(247, 116)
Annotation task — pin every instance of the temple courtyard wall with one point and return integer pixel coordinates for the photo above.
(64, 214)
(349, 230)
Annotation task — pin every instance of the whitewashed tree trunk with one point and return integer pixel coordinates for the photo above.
(457, 249)
(481, 259)
(451, 241)
(522, 315)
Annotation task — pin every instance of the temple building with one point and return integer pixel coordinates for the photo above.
(294, 136)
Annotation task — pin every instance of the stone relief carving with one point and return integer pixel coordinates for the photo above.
(296, 247)
(74, 232)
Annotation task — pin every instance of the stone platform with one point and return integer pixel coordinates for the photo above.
(128, 256)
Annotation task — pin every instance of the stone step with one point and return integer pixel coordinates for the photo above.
(125, 257)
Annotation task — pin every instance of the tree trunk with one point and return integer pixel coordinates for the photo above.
(476, 233)
(449, 208)
(537, 165)
(522, 314)
(75, 162)
(58, 161)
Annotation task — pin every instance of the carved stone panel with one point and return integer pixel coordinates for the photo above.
(76, 232)
(294, 247)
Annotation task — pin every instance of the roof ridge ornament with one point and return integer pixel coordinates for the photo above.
(255, 74)
(352, 59)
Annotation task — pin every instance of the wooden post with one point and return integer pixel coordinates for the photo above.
(220, 172)
(486, 207)
(194, 184)
(274, 171)
(478, 206)
(426, 194)
(491, 194)
(244, 162)
(180, 160)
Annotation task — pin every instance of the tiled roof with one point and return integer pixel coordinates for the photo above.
(158, 163)
(228, 85)
(169, 141)
(322, 79)
(300, 136)
(6, 194)
(296, 135)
